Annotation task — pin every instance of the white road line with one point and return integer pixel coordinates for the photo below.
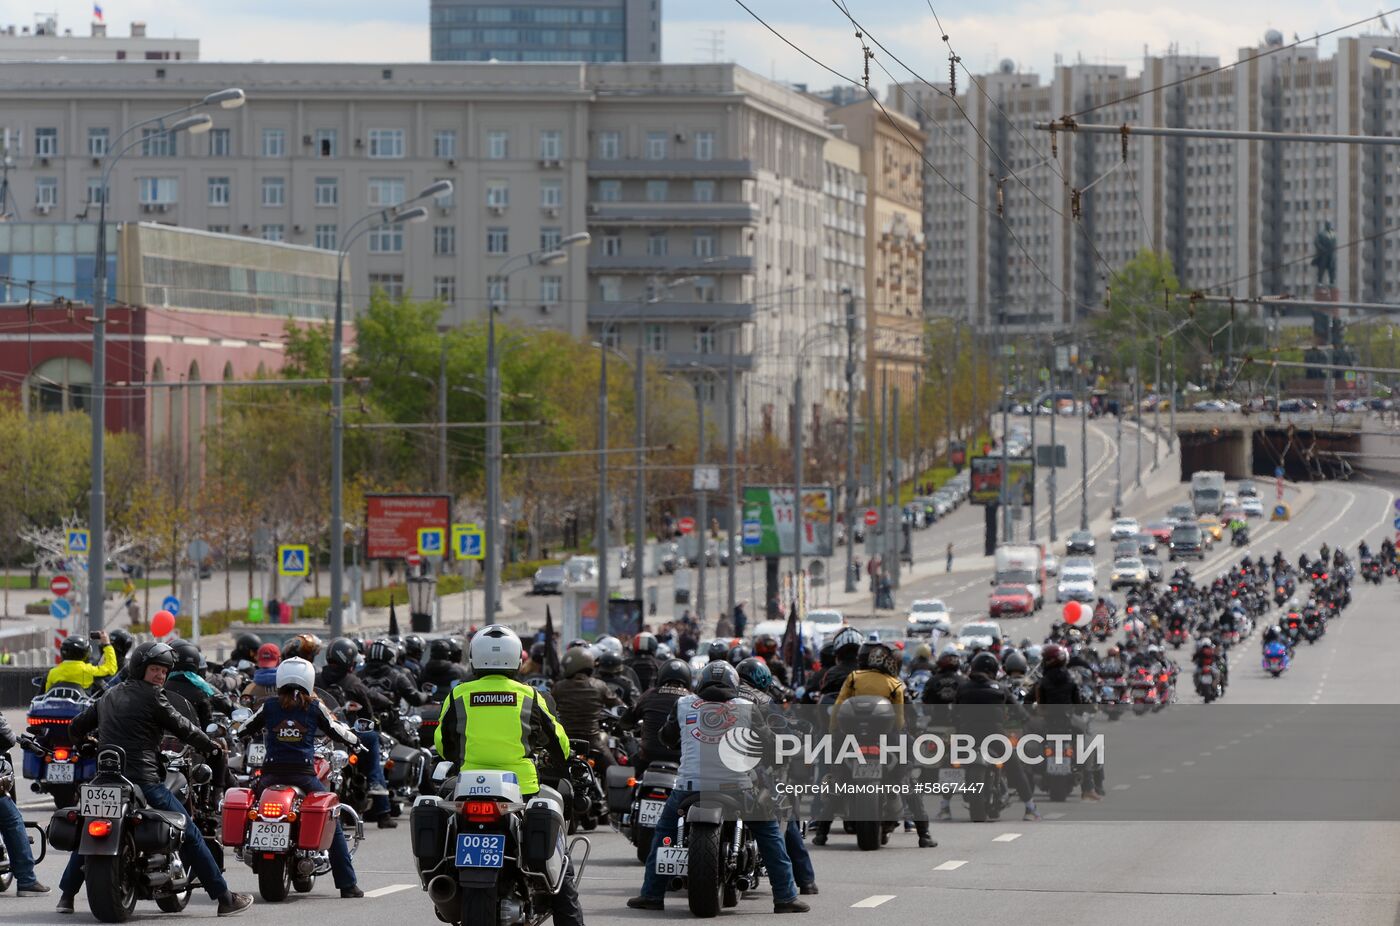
(1121, 787)
(389, 889)
(1144, 777)
(1189, 762)
(34, 805)
(1007, 837)
(1168, 771)
(951, 865)
(1206, 753)
(873, 901)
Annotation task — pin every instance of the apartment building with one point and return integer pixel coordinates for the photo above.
(594, 31)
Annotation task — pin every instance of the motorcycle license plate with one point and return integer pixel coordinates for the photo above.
(673, 861)
(868, 771)
(481, 850)
(257, 753)
(101, 802)
(952, 776)
(1058, 767)
(267, 836)
(59, 773)
(649, 813)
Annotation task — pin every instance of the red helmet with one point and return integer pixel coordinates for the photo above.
(1053, 655)
(766, 645)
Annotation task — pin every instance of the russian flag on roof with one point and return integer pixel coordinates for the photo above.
(97, 12)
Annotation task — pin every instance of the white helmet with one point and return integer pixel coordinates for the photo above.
(495, 648)
(298, 673)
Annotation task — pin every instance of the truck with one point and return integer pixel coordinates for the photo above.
(1207, 491)
(1021, 564)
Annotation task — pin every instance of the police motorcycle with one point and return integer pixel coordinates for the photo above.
(57, 768)
(485, 855)
(7, 789)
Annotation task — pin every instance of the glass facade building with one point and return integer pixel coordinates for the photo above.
(546, 30)
(43, 262)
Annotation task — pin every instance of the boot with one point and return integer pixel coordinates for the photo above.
(926, 841)
(820, 828)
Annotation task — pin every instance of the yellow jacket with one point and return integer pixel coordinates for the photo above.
(872, 682)
(82, 673)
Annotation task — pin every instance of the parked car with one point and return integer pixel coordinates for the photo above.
(1080, 542)
(580, 569)
(549, 580)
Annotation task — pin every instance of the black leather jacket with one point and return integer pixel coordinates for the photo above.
(444, 674)
(346, 686)
(581, 699)
(136, 716)
(651, 711)
(393, 682)
(205, 705)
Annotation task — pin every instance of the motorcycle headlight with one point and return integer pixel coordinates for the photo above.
(339, 759)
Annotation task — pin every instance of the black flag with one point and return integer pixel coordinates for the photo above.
(393, 620)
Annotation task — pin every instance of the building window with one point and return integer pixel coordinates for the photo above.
(658, 191)
(705, 340)
(497, 241)
(445, 289)
(444, 240)
(274, 191)
(656, 146)
(497, 193)
(384, 192)
(446, 200)
(704, 191)
(94, 190)
(657, 244)
(497, 290)
(274, 232)
(326, 237)
(704, 146)
(156, 190)
(705, 389)
(497, 146)
(326, 143)
(612, 244)
(46, 191)
(704, 289)
(609, 146)
(550, 238)
(551, 194)
(551, 290)
(45, 142)
(551, 146)
(386, 143)
(97, 142)
(612, 337)
(217, 229)
(157, 143)
(274, 143)
(610, 289)
(386, 239)
(327, 191)
(59, 385)
(445, 144)
(655, 338)
(704, 244)
(610, 191)
(220, 143)
(218, 191)
(390, 284)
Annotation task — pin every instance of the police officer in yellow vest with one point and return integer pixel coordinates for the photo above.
(497, 722)
(75, 669)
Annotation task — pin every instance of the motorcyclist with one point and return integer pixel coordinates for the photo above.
(290, 723)
(440, 669)
(653, 707)
(13, 833)
(715, 704)
(642, 661)
(717, 651)
(338, 678)
(187, 680)
(502, 731)
(411, 655)
(303, 646)
(982, 708)
(264, 683)
(1060, 692)
(581, 698)
(380, 671)
(613, 672)
(122, 642)
(942, 688)
(922, 661)
(765, 645)
(75, 670)
(845, 646)
(245, 649)
(1206, 654)
(611, 644)
(136, 715)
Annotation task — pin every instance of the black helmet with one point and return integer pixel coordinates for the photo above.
(984, 664)
(149, 654)
(413, 646)
(718, 672)
(538, 652)
(187, 655)
(440, 648)
(609, 663)
(826, 656)
(381, 651)
(755, 671)
(949, 659)
(577, 660)
(343, 652)
(675, 672)
(878, 657)
(644, 644)
(454, 644)
(1015, 664)
(75, 647)
(246, 647)
(717, 651)
(738, 654)
(122, 642)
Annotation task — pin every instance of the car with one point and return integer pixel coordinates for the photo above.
(1162, 530)
(1181, 513)
(1126, 547)
(1147, 543)
(1211, 525)
(1154, 568)
(1124, 528)
(826, 620)
(1188, 541)
(1077, 583)
(1051, 564)
(549, 580)
(1128, 572)
(928, 617)
(579, 570)
(1080, 542)
(1011, 599)
(1231, 513)
(1252, 506)
(1248, 489)
(981, 633)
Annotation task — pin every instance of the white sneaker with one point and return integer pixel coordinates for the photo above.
(378, 791)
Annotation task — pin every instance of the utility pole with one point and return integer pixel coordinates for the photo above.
(882, 504)
(1137, 416)
(702, 510)
(850, 442)
(735, 517)
(1083, 447)
(1157, 407)
(896, 536)
(1171, 409)
(918, 432)
(639, 507)
(602, 529)
(797, 481)
(1054, 444)
(442, 418)
(947, 371)
(1035, 415)
(1005, 496)
(1118, 458)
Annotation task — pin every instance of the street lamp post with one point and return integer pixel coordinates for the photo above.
(851, 441)
(231, 98)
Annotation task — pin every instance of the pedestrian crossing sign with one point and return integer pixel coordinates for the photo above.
(77, 541)
(468, 541)
(293, 560)
(431, 541)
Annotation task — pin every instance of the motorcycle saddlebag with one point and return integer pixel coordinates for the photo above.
(319, 813)
(428, 824)
(619, 780)
(64, 833)
(237, 802)
(542, 850)
(158, 831)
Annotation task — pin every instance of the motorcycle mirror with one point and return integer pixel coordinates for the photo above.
(213, 729)
(242, 715)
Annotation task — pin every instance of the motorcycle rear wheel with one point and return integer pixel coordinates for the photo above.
(64, 795)
(644, 836)
(111, 887)
(274, 879)
(1059, 787)
(867, 835)
(6, 879)
(706, 875)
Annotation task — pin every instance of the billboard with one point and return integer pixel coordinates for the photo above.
(772, 507)
(392, 522)
(986, 480)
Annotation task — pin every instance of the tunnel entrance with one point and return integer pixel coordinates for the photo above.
(1225, 451)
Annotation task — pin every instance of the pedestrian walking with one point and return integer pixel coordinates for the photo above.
(949, 567)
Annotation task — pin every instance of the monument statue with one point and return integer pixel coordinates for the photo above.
(1325, 254)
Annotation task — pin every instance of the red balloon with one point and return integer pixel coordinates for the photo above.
(1073, 612)
(162, 623)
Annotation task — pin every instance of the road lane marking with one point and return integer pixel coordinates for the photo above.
(1189, 762)
(873, 901)
(1052, 816)
(1121, 787)
(1168, 771)
(1007, 837)
(951, 865)
(1206, 753)
(389, 889)
(1144, 777)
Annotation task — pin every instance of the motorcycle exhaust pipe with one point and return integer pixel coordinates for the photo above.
(442, 891)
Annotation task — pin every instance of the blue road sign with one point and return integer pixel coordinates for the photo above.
(60, 608)
(753, 533)
(172, 604)
(431, 541)
(293, 560)
(78, 541)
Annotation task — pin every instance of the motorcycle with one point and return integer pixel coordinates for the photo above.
(487, 857)
(1144, 691)
(7, 789)
(1177, 635)
(636, 803)
(284, 834)
(1314, 626)
(1113, 691)
(1293, 626)
(1276, 658)
(1208, 683)
(865, 718)
(714, 854)
(130, 850)
(1056, 775)
(57, 769)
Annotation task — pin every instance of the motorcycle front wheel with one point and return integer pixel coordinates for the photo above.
(275, 879)
(111, 884)
(867, 834)
(706, 875)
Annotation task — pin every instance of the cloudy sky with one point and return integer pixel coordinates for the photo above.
(1031, 32)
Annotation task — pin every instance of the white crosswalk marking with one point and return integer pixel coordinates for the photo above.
(874, 901)
(1007, 837)
(389, 889)
(951, 865)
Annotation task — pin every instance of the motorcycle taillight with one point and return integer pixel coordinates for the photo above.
(481, 811)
